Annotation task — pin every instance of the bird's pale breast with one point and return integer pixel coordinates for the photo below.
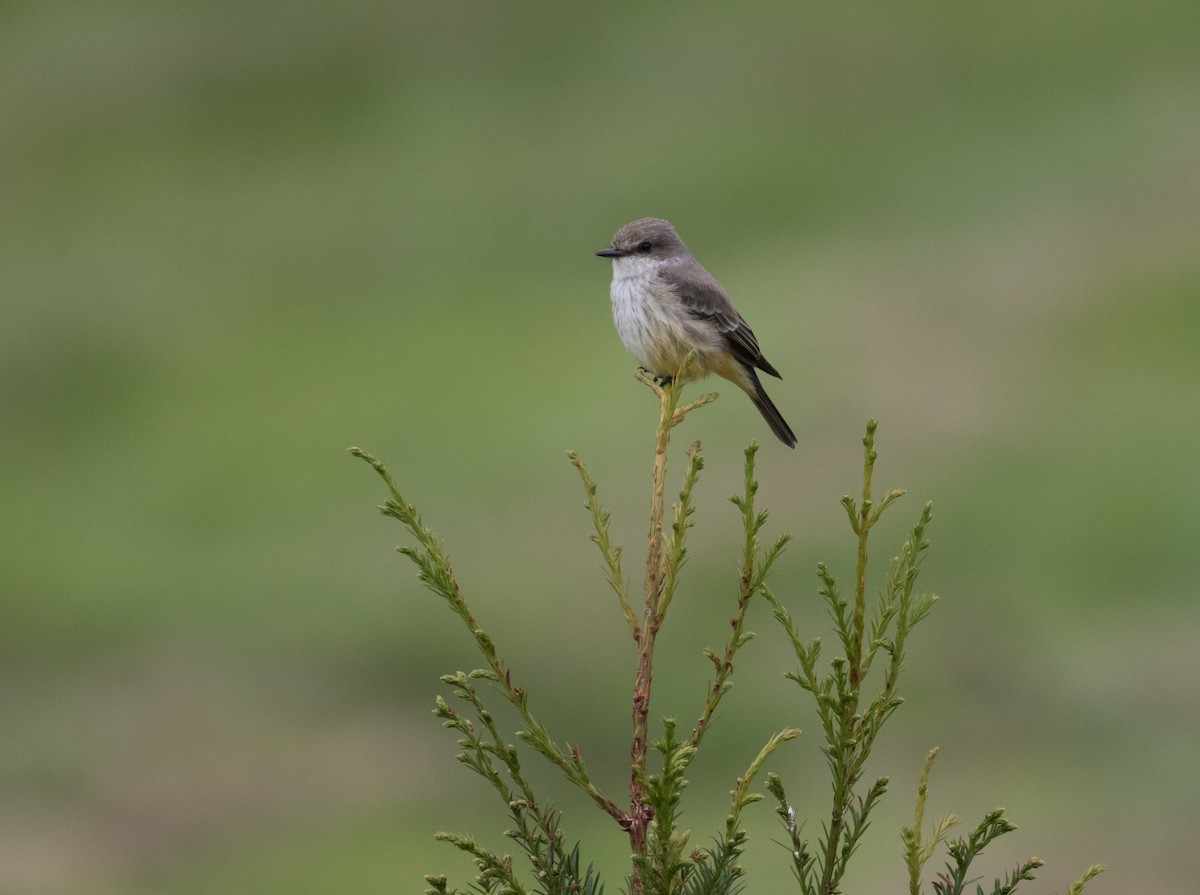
(655, 327)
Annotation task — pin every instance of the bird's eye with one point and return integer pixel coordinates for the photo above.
(645, 247)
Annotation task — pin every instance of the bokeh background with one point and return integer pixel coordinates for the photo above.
(238, 237)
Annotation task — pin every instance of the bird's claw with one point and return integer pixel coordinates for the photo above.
(659, 379)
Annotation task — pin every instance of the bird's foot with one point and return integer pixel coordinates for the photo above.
(659, 379)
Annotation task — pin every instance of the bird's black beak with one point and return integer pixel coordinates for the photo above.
(612, 253)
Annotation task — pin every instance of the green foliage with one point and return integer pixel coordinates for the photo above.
(964, 851)
(756, 564)
(536, 830)
(1092, 872)
(610, 551)
(851, 711)
(849, 729)
(664, 865)
(917, 849)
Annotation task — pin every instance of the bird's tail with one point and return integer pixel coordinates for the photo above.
(769, 411)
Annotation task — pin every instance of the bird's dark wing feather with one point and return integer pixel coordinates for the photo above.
(703, 297)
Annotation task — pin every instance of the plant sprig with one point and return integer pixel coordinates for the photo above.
(873, 637)
(434, 571)
(850, 730)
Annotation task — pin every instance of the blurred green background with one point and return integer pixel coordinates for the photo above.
(237, 238)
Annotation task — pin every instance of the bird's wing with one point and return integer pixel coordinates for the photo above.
(703, 297)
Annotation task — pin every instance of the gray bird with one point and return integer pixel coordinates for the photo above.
(666, 304)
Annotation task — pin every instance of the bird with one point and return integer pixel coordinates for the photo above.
(666, 304)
